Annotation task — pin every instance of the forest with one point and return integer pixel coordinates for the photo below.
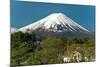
(28, 49)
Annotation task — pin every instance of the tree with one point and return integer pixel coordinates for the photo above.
(22, 45)
(49, 51)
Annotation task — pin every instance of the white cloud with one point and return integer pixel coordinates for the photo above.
(13, 29)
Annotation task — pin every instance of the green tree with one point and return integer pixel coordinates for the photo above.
(22, 45)
(50, 50)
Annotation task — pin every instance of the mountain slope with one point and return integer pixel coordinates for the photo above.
(56, 22)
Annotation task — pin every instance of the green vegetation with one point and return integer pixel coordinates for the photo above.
(26, 49)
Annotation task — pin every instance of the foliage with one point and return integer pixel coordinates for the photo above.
(22, 44)
(27, 49)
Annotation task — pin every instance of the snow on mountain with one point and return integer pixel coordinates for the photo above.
(56, 22)
(13, 29)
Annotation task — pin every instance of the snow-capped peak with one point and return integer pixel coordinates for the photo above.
(55, 15)
(56, 22)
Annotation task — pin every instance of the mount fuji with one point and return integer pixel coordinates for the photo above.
(56, 22)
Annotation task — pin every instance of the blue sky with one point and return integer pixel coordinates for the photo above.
(24, 13)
